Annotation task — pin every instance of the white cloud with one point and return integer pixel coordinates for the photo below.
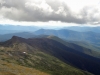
(77, 5)
(50, 11)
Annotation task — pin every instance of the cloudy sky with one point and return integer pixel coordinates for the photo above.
(50, 12)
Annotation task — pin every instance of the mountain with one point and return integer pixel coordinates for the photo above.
(44, 50)
(48, 56)
(63, 34)
(20, 34)
(79, 46)
(2, 32)
(86, 45)
(72, 35)
(84, 28)
(7, 29)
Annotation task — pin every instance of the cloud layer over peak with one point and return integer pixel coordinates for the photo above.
(47, 10)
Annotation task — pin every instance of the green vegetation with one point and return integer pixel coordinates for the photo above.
(14, 69)
(40, 61)
(50, 65)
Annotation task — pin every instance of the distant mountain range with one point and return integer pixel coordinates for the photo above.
(84, 28)
(65, 34)
(7, 29)
(89, 37)
(5, 37)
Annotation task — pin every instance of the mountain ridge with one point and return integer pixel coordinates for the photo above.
(65, 54)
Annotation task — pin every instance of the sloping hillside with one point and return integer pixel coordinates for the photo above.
(38, 54)
(14, 69)
(79, 46)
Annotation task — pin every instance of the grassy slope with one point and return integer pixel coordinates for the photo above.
(37, 60)
(14, 69)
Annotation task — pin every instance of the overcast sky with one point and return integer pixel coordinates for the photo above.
(50, 12)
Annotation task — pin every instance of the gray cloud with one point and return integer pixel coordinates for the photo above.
(29, 10)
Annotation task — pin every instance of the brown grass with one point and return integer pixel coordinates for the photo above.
(13, 69)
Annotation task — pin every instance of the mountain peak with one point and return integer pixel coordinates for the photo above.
(16, 39)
